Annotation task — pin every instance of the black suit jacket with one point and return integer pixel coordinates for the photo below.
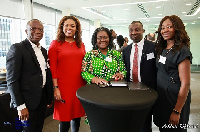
(147, 67)
(24, 76)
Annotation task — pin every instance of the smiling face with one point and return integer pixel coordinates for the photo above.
(34, 31)
(136, 32)
(69, 28)
(102, 40)
(167, 30)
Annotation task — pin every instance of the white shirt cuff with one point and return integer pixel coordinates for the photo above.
(21, 107)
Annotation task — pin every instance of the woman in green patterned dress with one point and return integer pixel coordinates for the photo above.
(102, 63)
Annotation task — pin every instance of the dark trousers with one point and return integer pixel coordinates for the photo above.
(75, 124)
(36, 117)
(147, 127)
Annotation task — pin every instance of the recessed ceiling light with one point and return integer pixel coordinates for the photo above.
(147, 20)
(51, 3)
(183, 12)
(119, 19)
(158, 7)
(188, 4)
(126, 9)
(196, 12)
(92, 10)
(133, 3)
(160, 14)
(193, 23)
(156, 24)
(198, 17)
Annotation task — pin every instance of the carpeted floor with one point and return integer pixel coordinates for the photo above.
(51, 125)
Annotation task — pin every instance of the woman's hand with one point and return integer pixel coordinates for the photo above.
(174, 119)
(57, 94)
(98, 81)
(118, 76)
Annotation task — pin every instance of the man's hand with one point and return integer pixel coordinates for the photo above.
(23, 114)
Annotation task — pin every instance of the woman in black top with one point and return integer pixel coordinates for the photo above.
(172, 107)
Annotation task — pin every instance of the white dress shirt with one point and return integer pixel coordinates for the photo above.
(43, 66)
(140, 48)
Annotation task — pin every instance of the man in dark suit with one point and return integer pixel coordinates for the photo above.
(146, 62)
(29, 78)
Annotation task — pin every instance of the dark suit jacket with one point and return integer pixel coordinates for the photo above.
(147, 67)
(24, 76)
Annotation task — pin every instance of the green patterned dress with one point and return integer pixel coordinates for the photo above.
(95, 64)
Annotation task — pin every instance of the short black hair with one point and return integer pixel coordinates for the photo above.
(33, 20)
(133, 22)
(120, 40)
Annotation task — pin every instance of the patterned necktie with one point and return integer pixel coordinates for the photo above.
(135, 65)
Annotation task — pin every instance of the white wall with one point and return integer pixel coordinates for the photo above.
(193, 31)
(44, 14)
(12, 9)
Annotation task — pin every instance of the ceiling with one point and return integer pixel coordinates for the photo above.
(123, 12)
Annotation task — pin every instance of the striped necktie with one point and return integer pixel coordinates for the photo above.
(135, 65)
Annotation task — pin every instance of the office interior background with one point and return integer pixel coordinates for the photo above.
(116, 15)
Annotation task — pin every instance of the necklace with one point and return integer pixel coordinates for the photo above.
(169, 50)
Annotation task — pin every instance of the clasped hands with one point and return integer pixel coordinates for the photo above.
(100, 81)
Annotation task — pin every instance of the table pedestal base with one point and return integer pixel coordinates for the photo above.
(103, 119)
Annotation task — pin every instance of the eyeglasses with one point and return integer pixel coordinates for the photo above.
(34, 29)
(104, 37)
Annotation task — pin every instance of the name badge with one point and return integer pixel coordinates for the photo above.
(150, 56)
(162, 59)
(108, 59)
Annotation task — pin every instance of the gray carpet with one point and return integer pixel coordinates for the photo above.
(51, 125)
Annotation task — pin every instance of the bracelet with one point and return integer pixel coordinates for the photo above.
(55, 87)
(176, 112)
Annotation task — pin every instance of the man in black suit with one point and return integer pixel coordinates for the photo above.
(29, 78)
(146, 62)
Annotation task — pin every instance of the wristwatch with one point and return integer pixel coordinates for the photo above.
(55, 87)
(176, 112)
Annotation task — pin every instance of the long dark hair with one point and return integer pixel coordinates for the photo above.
(181, 38)
(60, 34)
(94, 38)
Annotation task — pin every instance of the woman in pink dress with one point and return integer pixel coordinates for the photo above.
(66, 54)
